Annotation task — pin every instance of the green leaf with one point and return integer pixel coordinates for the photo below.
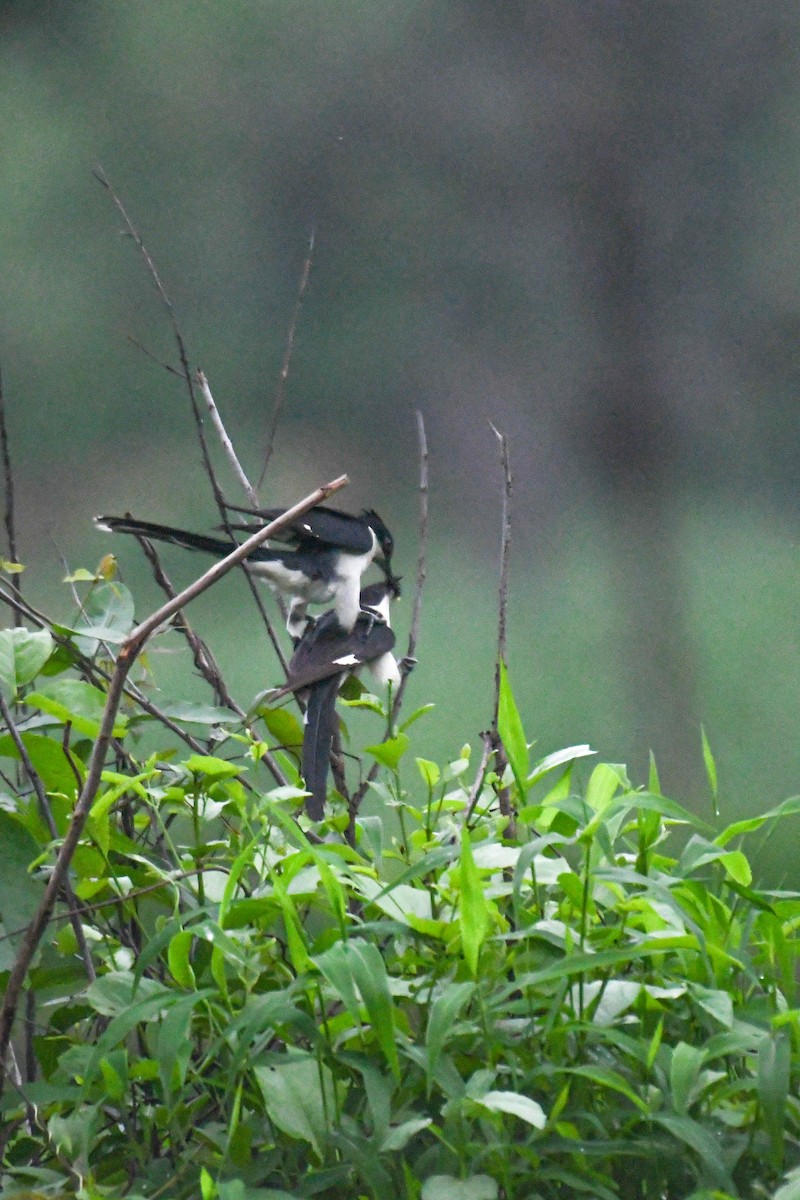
(443, 1013)
(22, 655)
(603, 784)
(211, 768)
(737, 866)
(704, 1144)
(683, 1075)
(473, 909)
(107, 617)
(9, 567)
(20, 894)
(74, 702)
(390, 752)
(199, 714)
(298, 1096)
(48, 759)
(448, 1187)
(429, 771)
(416, 714)
(710, 765)
(519, 1106)
(512, 734)
(356, 969)
(284, 726)
(178, 953)
(774, 1066)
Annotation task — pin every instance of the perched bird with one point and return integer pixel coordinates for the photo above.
(324, 657)
(321, 560)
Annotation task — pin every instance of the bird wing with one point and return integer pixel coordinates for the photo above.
(166, 533)
(319, 526)
(327, 651)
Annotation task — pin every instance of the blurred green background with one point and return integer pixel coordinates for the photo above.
(578, 221)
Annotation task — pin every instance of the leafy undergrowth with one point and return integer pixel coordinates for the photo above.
(591, 997)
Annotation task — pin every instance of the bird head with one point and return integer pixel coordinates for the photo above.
(383, 556)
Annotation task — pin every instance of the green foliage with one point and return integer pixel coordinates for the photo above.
(601, 1003)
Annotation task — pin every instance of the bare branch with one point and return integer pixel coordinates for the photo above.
(225, 441)
(129, 651)
(287, 357)
(11, 534)
(501, 759)
(203, 658)
(477, 787)
(505, 549)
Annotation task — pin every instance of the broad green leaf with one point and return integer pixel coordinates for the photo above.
(212, 768)
(604, 782)
(284, 726)
(737, 866)
(519, 1106)
(473, 909)
(199, 714)
(107, 617)
(390, 752)
(178, 954)
(299, 1099)
(48, 758)
(75, 702)
(429, 771)
(703, 1142)
(174, 1044)
(399, 1136)
(22, 655)
(11, 568)
(512, 734)
(558, 759)
(358, 973)
(774, 1067)
(609, 1078)
(443, 1014)
(20, 894)
(448, 1187)
(683, 1074)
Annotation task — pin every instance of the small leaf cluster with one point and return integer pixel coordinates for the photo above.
(593, 999)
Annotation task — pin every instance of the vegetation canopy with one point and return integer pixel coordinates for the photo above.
(503, 983)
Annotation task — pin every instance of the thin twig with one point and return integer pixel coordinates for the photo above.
(505, 549)
(219, 497)
(287, 357)
(416, 612)
(225, 441)
(501, 759)
(11, 534)
(49, 820)
(203, 658)
(477, 787)
(129, 651)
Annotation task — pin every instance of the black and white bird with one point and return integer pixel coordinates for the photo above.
(324, 657)
(321, 559)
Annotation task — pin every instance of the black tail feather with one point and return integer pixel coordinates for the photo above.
(317, 742)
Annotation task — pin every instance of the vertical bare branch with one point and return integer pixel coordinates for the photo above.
(501, 760)
(505, 550)
(129, 652)
(11, 534)
(287, 357)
